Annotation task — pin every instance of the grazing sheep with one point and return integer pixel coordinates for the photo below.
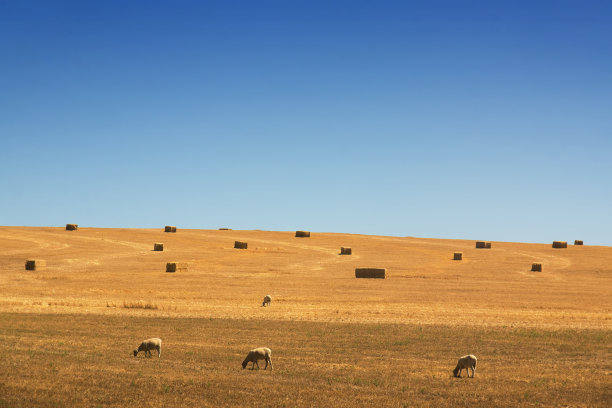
(466, 362)
(261, 353)
(267, 300)
(148, 345)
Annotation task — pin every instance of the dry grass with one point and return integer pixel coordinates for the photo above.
(52, 361)
(139, 305)
(337, 341)
(424, 286)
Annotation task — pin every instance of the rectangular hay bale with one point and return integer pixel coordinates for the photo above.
(35, 264)
(170, 228)
(346, 251)
(483, 244)
(536, 267)
(240, 245)
(302, 234)
(578, 242)
(559, 244)
(176, 267)
(158, 247)
(72, 227)
(375, 273)
(458, 256)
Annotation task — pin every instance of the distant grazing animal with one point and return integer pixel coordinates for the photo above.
(467, 362)
(267, 300)
(148, 345)
(261, 353)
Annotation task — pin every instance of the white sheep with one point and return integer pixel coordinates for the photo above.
(148, 345)
(261, 353)
(267, 300)
(467, 362)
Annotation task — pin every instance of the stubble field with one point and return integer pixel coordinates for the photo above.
(67, 331)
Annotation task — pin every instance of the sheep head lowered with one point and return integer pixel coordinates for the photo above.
(456, 371)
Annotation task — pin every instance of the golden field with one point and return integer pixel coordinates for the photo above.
(67, 331)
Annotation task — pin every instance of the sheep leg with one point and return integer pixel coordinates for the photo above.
(158, 352)
(269, 360)
(257, 362)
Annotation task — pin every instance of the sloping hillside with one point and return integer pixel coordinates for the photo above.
(116, 271)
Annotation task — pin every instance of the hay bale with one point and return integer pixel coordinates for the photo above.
(346, 251)
(170, 228)
(176, 267)
(72, 227)
(457, 256)
(225, 229)
(35, 264)
(559, 244)
(536, 267)
(158, 247)
(302, 234)
(483, 244)
(376, 273)
(240, 245)
(578, 242)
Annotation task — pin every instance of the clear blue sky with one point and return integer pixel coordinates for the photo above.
(451, 119)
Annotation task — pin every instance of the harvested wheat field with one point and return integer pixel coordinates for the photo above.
(67, 331)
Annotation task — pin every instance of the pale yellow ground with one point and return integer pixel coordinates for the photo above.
(97, 271)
